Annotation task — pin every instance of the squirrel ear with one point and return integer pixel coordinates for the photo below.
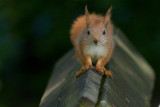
(107, 17)
(87, 16)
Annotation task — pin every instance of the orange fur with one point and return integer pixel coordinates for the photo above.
(83, 42)
(80, 24)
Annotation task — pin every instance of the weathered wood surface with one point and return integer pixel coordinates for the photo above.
(131, 86)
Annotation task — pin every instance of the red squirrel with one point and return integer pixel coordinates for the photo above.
(92, 37)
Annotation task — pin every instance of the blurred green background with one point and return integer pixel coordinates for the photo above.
(34, 34)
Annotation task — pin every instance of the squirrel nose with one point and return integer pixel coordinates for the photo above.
(95, 41)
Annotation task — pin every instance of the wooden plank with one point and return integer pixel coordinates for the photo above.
(65, 90)
(133, 78)
(132, 84)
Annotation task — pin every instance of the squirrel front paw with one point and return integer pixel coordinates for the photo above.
(108, 72)
(82, 70)
(102, 70)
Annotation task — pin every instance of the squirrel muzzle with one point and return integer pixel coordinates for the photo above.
(95, 39)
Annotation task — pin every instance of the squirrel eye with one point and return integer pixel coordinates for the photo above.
(104, 32)
(88, 32)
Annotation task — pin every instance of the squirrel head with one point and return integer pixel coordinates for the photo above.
(98, 28)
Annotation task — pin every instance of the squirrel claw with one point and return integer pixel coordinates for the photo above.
(108, 72)
(100, 70)
(82, 70)
(78, 73)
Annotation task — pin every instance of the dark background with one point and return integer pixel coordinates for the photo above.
(34, 34)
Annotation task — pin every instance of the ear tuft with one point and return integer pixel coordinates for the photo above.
(109, 12)
(87, 16)
(107, 17)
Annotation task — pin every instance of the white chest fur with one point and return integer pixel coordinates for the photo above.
(95, 51)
